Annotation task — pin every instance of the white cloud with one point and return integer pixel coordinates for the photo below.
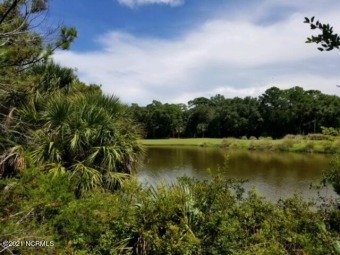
(133, 3)
(231, 57)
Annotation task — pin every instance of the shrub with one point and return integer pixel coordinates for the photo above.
(330, 131)
(318, 137)
(299, 137)
(227, 142)
(294, 137)
(205, 144)
(285, 145)
(264, 145)
(252, 146)
(332, 175)
(282, 147)
(190, 217)
(289, 136)
(329, 147)
(309, 147)
(265, 138)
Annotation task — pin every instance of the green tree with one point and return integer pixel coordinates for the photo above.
(22, 46)
(160, 120)
(88, 135)
(20, 43)
(200, 113)
(274, 108)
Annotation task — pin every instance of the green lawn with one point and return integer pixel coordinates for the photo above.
(183, 141)
(291, 145)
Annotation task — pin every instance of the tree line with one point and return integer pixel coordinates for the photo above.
(276, 113)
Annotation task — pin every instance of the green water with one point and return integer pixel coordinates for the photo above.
(275, 175)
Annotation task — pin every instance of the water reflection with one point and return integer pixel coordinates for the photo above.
(276, 175)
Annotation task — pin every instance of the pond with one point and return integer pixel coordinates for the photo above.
(275, 175)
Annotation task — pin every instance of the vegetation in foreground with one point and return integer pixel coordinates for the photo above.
(190, 217)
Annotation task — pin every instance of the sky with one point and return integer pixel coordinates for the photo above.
(176, 50)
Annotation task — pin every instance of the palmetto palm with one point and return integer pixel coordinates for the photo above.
(50, 77)
(88, 135)
(22, 98)
(69, 127)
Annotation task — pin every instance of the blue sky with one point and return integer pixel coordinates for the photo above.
(176, 50)
(146, 20)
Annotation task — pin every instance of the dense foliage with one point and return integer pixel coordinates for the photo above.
(191, 217)
(49, 119)
(275, 113)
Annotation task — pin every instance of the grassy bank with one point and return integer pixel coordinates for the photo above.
(310, 144)
(184, 141)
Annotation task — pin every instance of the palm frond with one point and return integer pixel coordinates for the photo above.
(55, 169)
(44, 148)
(85, 177)
(56, 112)
(75, 141)
(112, 180)
(13, 161)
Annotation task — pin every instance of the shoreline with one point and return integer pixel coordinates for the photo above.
(300, 145)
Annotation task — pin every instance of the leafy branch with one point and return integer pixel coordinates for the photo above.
(327, 38)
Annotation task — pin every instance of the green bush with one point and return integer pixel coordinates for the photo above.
(286, 145)
(265, 138)
(309, 147)
(190, 217)
(252, 146)
(329, 147)
(265, 145)
(330, 131)
(332, 175)
(227, 142)
(289, 136)
(299, 137)
(318, 137)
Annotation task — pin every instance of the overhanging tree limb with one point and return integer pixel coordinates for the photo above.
(327, 38)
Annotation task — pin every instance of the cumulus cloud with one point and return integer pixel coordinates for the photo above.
(133, 3)
(231, 57)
